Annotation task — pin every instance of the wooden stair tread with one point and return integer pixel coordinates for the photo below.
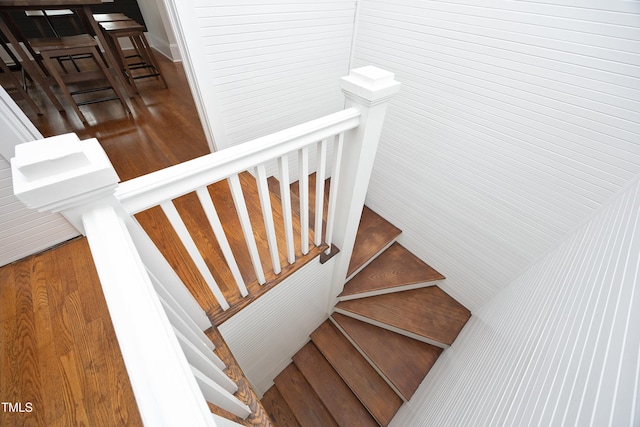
(245, 393)
(426, 312)
(404, 361)
(278, 409)
(394, 268)
(303, 401)
(374, 393)
(332, 390)
(374, 234)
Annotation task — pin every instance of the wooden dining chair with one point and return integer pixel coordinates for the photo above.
(51, 49)
(142, 63)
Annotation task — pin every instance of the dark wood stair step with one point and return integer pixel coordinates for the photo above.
(426, 314)
(374, 235)
(278, 409)
(394, 270)
(336, 395)
(303, 401)
(374, 393)
(402, 360)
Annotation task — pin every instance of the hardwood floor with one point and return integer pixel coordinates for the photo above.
(59, 355)
(162, 130)
(58, 350)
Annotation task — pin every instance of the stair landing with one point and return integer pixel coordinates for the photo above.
(157, 226)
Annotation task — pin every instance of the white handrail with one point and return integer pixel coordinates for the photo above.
(130, 295)
(152, 189)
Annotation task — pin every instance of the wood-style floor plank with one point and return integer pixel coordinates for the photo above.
(164, 128)
(396, 267)
(69, 369)
(427, 312)
(402, 360)
(374, 393)
(278, 409)
(336, 395)
(374, 234)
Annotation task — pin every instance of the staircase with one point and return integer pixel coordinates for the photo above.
(390, 325)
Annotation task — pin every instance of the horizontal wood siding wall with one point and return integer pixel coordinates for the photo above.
(516, 120)
(24, 231)
(264, 336)
(559, 346)
(272, 64)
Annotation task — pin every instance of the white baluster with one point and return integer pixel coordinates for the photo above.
(285, 196)
(216, 226)
(188, 322)
(320, 174)
(178, 225)
(267, 215)
(303, 187)
(219, 396)
(333, 190)
(197, 338)
(245, 223)
(203, 362)
(171, 283)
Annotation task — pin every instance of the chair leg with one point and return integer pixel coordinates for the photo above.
(150, 58)
(124, 64)
(111, 80)
(63, 87)
(21, 92)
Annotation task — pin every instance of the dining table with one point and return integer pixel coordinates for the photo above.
(20, 44)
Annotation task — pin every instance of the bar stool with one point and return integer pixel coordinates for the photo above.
(144, 58)
(109, 17)
(51, 49)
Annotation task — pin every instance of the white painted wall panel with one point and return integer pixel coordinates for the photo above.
(22, 231)
(266, 65)
(264, 336)
(559, 346)
(515, 122)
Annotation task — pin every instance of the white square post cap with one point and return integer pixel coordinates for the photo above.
(49, 173)
(370, 83)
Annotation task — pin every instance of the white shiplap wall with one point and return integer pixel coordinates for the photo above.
(559, 346)
(516, 120)
(264, 336)
(22, 231)
(262, 66)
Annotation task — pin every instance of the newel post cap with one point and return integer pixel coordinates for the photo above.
(370, 85)
(61, 172)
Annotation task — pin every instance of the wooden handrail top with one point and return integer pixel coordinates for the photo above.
(149, 190)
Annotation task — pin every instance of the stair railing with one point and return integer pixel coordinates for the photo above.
(157, 321)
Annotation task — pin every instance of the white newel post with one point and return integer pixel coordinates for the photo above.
(369, 89)
(64, 174)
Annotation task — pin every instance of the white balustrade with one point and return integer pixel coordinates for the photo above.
(76, 178)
